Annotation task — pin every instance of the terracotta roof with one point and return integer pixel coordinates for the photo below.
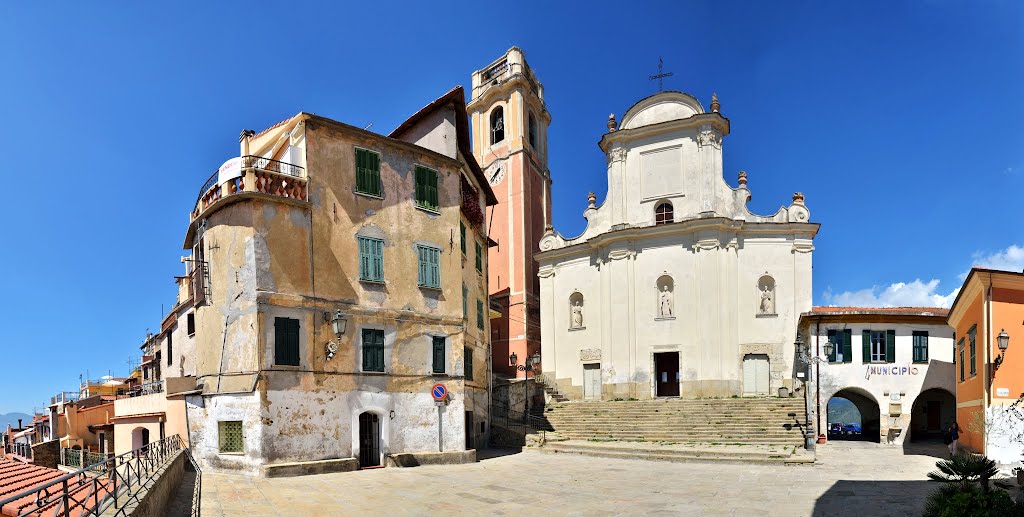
(17, 478)
(279, 124)
(457, 97)
(909, 311)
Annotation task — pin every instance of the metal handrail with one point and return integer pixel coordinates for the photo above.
(72, 493)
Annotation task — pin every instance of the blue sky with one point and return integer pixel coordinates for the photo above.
(902, 123)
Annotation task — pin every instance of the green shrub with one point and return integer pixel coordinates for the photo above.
(955, 501)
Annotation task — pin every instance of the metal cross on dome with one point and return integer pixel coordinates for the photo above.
(660, 76)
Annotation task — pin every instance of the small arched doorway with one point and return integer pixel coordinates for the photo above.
(369, 440)
(933, 410)
(140, 438)
(853, 414)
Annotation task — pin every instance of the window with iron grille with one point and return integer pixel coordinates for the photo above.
(663, 214)
(479, 314)
(286, 341)
(920, 346)
(373, 350)
(467, 357)
(230, 436)
(367, 172)
(426, 188)
(438, 344)
(429, 273)
(371, 259)
(479, 257)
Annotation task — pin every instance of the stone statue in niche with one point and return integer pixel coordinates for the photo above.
(577, 315)
(665, 307)
(767, 305)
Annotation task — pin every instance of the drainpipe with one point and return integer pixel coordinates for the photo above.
(817, 377)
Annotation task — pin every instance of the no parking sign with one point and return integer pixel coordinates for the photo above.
(439, 392)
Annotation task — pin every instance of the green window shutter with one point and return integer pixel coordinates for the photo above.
(479, 314)
(378, 260)
(426, 188)
(420, 187)
(421, 275)
(432, 190)
(847, 346)
(373, 350)
(462, 236)
(371, 259)
(438, 344)
(467, 357)
(434, 268)
(866, 340)
(367, 172)
(465, 302)
(890, 346)
(375, 174)
(286, 341)
(479, 257)
(920, 346)
(961, 349)
(835, 346)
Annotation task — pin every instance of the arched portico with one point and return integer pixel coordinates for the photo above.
(870, 415)
(933, 411)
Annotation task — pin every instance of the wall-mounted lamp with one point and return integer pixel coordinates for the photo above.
(1003, 342)
(338, 322)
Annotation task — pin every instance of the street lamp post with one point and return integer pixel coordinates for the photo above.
(803, 353)
(526, 369)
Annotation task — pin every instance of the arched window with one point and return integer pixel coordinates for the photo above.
(663, 213)
(497, 125)
(532, 127)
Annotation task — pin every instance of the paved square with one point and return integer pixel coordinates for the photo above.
(850, 478)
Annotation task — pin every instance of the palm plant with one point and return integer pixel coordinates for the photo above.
(964, 469)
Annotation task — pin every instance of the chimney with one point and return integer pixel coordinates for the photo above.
(19, 424)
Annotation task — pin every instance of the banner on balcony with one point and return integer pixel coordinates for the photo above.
(230, 169)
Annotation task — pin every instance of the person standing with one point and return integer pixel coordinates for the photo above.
(954, 435)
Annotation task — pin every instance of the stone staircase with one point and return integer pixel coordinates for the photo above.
(739, 421)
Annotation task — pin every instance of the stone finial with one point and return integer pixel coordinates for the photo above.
(798, 198)
(743, 179)
(591, 200)
(611, 122)
(714, 103)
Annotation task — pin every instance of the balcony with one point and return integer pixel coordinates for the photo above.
(257, 175)
(140, 390)
(23, 451)
(65, 397)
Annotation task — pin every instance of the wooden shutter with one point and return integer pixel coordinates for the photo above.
(479, 257)
(847, 346)
(890, 346)
(866, 339)
(286, 341)
(835, 346)
(480, 315)
(364, 259)
(420, 186)
(374, 167)
(373, 350)
(434, 261)
(467, 357)
(432, 189)
(438, 343)
(421, 274)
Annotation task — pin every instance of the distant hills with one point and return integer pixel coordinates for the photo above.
(843, 411)
(12, 418)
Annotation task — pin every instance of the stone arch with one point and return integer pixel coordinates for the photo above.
(666, 305)
(664, 213)
(497, 124)
(870, 415)
(140, 438)
(576, 308)
(766, 294)
(383, 428)
(933, 411)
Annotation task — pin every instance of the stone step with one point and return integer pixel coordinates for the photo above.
(632, 450)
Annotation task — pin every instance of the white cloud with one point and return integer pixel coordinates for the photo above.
(925, 294)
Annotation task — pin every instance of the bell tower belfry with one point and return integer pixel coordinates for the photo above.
(510, 126)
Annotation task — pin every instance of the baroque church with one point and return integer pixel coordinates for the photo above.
(674, 288)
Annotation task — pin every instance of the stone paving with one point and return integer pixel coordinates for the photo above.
(850, 478)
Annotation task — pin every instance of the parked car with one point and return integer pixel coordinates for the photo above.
(852, 429)
(835, 429)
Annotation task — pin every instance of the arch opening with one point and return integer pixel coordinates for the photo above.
(663, 213)
(497, 125)
(853, 414)
(933, 411)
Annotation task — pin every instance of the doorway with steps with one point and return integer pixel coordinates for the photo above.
(592, 381)
(666, 368)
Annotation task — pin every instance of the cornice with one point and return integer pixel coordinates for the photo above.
(715, 120)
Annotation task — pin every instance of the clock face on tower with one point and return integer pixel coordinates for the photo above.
(495, 173)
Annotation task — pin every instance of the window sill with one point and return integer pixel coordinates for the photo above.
(430, 287)
(763, 315)
(920, 362)
(369, 195)
(577, 328)
(431, 211)
(664, 318)
(371, 282)
(286, 367)
(230, 453)
(364, 372)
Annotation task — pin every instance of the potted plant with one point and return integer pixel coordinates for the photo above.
(821, 438)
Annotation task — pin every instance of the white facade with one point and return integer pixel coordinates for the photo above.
(636, 308)
(899, 394)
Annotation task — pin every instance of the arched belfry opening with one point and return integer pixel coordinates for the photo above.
(497, 124)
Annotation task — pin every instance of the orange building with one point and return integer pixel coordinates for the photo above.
(988, 319)
(510, 124)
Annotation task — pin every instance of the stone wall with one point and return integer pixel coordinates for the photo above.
(155, 500)
(46, 454)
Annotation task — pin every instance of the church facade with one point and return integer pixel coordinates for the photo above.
(674, 288)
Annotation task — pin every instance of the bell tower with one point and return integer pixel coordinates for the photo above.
(510, 126)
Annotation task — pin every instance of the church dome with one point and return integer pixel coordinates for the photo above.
(661, 107)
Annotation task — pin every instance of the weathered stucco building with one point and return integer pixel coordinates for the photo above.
(337, 275)
(674, 288)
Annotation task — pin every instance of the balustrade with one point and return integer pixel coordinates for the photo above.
(259, 175)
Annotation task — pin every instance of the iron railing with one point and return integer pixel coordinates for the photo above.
(518, 421)
(20, 449)
(266, 164)
(83, 492)
(197, 488)
(209, 184)
(65, 397)
(78, 458)
(140, 390)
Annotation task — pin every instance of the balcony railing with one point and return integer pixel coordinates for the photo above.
(259, 175)
(140, 390)
(20, 449)
(64, 397)
(107, 487)
(78, 458)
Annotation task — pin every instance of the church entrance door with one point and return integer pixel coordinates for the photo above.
(755, 374)
(666, 367)
(592, 381)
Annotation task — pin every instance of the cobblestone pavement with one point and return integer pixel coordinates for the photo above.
(850, 478)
